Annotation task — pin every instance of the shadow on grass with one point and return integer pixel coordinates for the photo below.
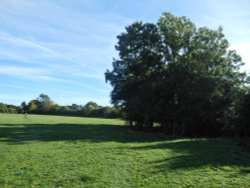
(18, 134)
(221, 154)
(184, 154)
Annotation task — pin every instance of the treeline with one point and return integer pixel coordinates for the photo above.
(6, 108)
(44, 105)
(180, 79)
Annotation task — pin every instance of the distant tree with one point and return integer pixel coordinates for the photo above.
(55, 109)
(3, 108)
(6, 108)
(65, 110)
(33, 106)
(91, 104)
(12, 109)
(24, 106)
(76, 107)
(45, 103)
(90, 109)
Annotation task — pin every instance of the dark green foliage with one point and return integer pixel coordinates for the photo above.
(183, 78)
(243, 126)
(134, 78)
(24, 107)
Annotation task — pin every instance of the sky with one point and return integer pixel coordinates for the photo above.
(63, 47)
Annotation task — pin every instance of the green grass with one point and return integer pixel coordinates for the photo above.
(55, 151)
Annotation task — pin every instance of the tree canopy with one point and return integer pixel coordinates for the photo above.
(176, 76)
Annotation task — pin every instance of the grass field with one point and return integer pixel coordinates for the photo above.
(55, 151)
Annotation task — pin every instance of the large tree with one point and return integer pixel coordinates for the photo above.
(175, 74)
(135, 74)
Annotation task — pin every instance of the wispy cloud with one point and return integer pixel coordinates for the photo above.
(20, 42)
(15, 86)
(81, 44)
(26, 73)
(36, 74)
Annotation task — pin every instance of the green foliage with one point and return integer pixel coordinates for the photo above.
(53, 151)
(176, 75)
(44, 105)
(5, 108)
(33, 106)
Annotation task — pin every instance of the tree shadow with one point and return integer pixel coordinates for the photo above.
(191, 154)
(22, 133)
(185, 154)
(245, 171)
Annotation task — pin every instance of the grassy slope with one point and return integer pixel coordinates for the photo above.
(54, 151)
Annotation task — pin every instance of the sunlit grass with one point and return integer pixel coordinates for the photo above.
(56, 151)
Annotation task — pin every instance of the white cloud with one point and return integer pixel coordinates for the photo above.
(26, 73)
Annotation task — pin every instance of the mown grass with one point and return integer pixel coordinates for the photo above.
(55, 151)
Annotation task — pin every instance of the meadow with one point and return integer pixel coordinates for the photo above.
(58, 151)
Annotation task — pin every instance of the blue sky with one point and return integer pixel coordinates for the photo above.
(62, 48)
